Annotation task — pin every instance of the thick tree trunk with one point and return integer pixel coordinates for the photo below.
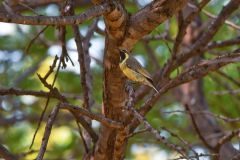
(123, 32)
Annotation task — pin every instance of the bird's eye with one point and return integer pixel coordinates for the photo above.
(122, 56)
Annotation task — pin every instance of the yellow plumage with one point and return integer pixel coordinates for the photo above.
(133, 70)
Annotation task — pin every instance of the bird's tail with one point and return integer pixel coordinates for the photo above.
(154, 88)
(151, 84)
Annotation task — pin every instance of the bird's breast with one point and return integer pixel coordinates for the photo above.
(130, 74)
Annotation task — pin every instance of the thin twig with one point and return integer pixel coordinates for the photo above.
(158, 37)
(228, 137)
(33, 40)
(28, 7)
(183, 24)
(155, 132)
(137, 132)
(83, 140)
(221, 117)
(51, 68)
(84, 64)
(47, 132)
(229, 78)
(50, 87)
(220, 44)
(185, 143)
(194, 72)
(196, 156)
(90, 32)
(226, 92)
(229, 23)
(198, 47)
(85, 79)
(196, 127)
(64, 56)
(24, 154)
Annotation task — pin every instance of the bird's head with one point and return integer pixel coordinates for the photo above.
(123, 54)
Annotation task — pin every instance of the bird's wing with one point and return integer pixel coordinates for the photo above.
(137, 67)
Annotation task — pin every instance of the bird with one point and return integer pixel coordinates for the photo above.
(133, 70)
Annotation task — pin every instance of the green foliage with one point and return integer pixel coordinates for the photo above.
(65, 141)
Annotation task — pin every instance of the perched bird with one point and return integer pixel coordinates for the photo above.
(133, 69)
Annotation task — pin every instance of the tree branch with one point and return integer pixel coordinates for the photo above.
(148, 18)
(198, 47)
(231, 24)
(221, 44)
(105, 121)
(184, 23)
(152, 130)
(57, 20)
(84, 68)
(194, 72)
(114, 93)
(4, 153)
(47, 132)
(20, 92)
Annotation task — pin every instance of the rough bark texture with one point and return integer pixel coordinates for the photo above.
(148, 18)
(114, 95)
(124, 32)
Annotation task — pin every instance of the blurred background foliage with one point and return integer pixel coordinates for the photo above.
(19, 114)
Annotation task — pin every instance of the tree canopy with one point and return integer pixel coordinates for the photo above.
(63, 96)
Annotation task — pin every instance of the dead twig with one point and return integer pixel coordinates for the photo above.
(137, 132)
(33, 40)
(47, 132)
(83, 140)
(52, 89)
